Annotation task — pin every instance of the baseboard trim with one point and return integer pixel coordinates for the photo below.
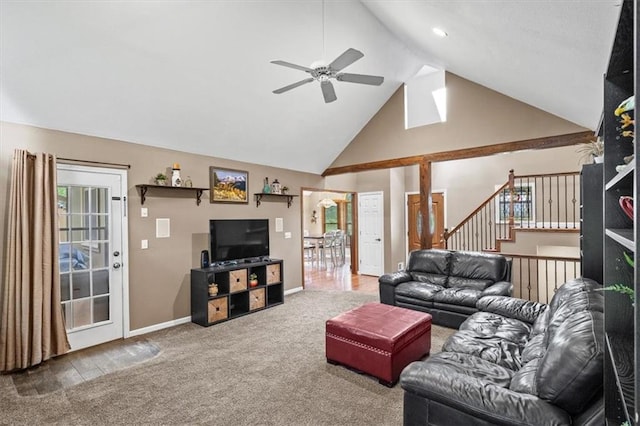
(161, 326)
(293, 290)
(173, 323)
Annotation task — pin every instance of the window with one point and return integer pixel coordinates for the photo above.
(331, 219)
(339, 216)
(523, 204)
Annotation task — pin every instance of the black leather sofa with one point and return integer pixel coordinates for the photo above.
(447, 284)
(516, 363)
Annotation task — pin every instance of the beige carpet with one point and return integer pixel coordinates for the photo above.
(267, 368)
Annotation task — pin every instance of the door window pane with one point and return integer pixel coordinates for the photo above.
(81, 284)
(98, 200)
(101, 309)
(65, 294)
(100, 282)
(81, 312)
(84, 254)
(99, 255)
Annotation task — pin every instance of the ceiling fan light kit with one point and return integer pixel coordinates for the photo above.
(324, 74)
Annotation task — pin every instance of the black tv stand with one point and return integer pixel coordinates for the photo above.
(235, 296)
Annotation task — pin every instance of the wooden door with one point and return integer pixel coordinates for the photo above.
(413, 215)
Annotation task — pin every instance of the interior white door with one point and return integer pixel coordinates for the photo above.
(370, 233)
(93, 253)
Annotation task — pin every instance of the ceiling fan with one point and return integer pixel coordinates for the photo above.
(324, 74)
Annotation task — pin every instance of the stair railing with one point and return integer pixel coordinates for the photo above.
(539, 202)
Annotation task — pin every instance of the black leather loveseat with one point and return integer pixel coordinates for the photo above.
(516, 363)
(447, 284)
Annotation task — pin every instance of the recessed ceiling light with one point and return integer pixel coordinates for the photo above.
(439, 32)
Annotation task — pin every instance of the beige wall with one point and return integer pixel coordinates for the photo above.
(159, 277)
(476, 116)
(466, 183)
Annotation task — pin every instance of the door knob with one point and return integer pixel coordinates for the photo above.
(116, 265)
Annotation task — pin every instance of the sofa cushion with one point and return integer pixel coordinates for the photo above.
(418, 290)
(434, 264)
(570, 373)
(523, 310)
(471, 366)
(534, 348)
(493, 349)
(426, 277)
(462, 282)
(486, 324)
(574, 296)
(524, 380)
(458, 296)
(478, 266)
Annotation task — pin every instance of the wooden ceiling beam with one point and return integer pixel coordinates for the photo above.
(458, 154)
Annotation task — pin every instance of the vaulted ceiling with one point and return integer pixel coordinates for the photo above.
(196, 76)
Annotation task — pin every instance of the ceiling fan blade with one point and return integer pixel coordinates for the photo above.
(373, 80)
(347, 58)
(293, 86)
(328, 91)
(290, 65)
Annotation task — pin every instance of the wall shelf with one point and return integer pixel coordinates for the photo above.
(621, 317)
(260, 195)
(144, 188)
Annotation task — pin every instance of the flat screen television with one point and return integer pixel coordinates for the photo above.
(236, 239)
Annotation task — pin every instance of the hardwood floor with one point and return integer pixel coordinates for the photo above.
(76, 367)
(331, 277)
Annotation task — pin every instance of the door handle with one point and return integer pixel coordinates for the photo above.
(378, 239)
(116, 265)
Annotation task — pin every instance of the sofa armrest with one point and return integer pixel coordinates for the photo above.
(395, 278)
(501, 288)
(478, 398)
(510, 307)
(388, 283)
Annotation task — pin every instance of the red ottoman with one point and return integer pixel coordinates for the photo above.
(378, 339)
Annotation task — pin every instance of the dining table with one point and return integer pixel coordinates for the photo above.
(315, 241)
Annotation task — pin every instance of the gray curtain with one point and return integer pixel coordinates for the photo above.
(31, 323)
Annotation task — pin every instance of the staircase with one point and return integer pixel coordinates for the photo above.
(538, 203)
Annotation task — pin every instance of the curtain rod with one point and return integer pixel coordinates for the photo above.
(95, 163)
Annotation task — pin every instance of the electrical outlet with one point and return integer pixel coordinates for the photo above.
(144, 244)
(400, 266)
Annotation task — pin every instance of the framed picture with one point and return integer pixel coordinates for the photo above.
(228, 185)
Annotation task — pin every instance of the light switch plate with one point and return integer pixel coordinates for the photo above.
(144, 244)
(144, 212)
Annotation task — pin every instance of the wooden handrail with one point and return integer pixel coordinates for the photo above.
(472, 232)
(547, 175)
(531, 256)
(480, 207)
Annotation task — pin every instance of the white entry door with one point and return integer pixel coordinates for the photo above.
(93, 253)
(370, 233)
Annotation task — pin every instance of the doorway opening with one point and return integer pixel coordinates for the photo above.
(329, 229)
